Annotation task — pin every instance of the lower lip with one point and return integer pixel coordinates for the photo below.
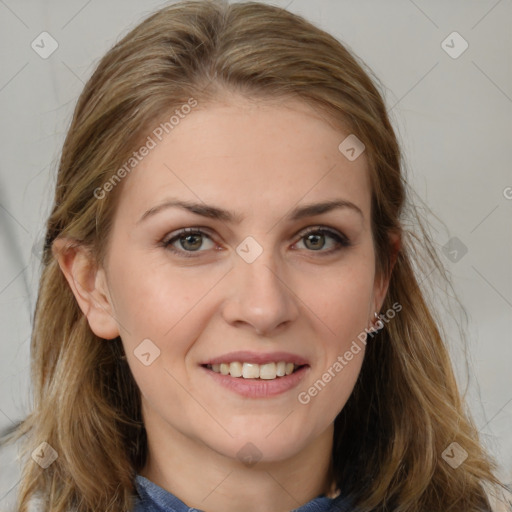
(259, 388)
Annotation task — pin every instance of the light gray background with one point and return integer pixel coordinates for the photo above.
(454, 118)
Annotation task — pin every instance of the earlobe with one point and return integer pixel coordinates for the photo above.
(89, 286)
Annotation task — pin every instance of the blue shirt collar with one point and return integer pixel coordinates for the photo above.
(152, 498)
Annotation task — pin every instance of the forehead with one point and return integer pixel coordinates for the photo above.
(246, 155)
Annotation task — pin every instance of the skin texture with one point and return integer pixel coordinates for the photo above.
(260, 160)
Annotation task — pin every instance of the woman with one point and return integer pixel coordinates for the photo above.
(228, 316)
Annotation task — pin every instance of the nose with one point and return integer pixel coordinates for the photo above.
(260, 296)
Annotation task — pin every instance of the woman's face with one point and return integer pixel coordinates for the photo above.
(248, 285)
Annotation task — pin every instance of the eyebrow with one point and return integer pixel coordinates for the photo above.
(213, 212)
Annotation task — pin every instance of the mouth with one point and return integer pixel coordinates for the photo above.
(257, 375)
(245, 370)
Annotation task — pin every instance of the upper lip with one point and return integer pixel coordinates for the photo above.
(244, 356)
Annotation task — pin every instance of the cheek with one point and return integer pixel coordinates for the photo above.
(343, 311)
(340, 353)
(154, 298)
(328, 393)
(339, 299)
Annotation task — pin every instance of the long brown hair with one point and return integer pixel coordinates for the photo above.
(405, 409)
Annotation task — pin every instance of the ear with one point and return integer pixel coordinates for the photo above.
(382, 282)
(89, 286)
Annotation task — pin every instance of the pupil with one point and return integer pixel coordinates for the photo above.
(315, 239)
(187, 239)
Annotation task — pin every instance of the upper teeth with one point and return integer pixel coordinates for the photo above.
(266, 371)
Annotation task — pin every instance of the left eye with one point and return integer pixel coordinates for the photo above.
(191, 240)
(316, 238)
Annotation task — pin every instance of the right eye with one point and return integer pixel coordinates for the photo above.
(190, 240)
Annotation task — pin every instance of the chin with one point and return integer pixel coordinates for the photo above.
(251, 449)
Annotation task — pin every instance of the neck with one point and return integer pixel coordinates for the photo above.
(207, 480)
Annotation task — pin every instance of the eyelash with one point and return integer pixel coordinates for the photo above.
(341, 240)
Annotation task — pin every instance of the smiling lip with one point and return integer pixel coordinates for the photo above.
(257, 358)
(258, 388)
